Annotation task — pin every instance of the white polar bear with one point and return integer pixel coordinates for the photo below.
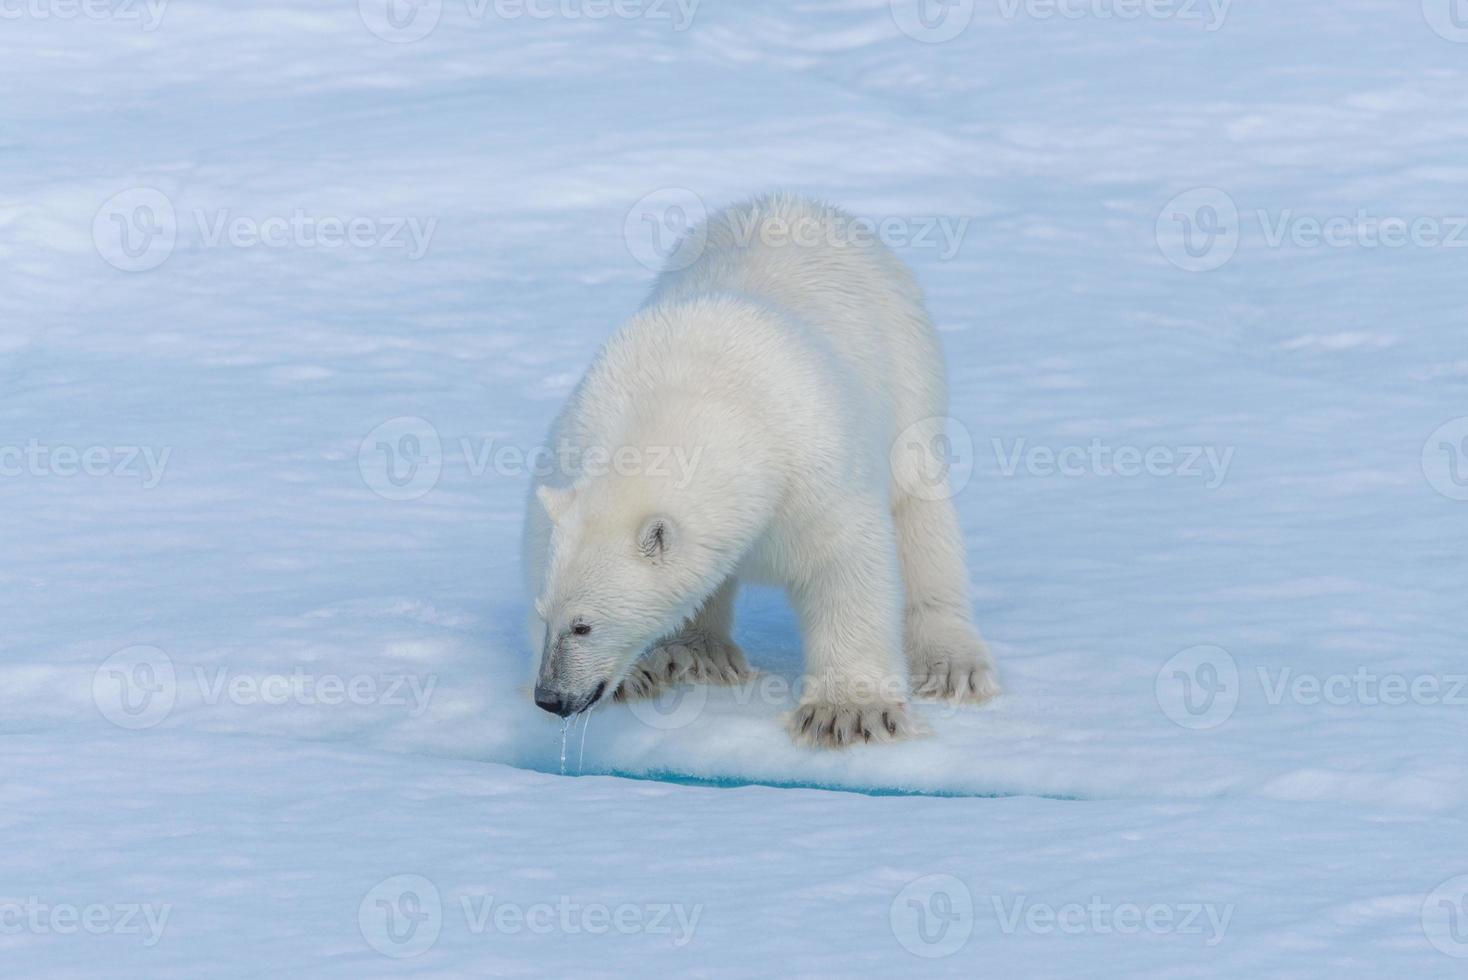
(770, 414)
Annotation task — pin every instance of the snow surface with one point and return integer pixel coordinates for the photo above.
(247, 682)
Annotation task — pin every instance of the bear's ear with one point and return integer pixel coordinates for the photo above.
(555, 500)
(655, 538)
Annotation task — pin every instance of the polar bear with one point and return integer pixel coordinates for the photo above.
(772, 414)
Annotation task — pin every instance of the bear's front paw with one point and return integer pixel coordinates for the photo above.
(828, 725)
(694, 658)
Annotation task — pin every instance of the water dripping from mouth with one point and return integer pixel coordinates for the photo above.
(581, 757)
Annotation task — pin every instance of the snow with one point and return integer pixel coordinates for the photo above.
(252, 676)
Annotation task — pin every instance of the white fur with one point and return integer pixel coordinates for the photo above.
(773, 375)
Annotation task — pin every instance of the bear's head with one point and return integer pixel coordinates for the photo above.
(627, 566)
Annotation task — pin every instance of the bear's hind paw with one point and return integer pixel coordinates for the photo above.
(826, 725)
(963, 679)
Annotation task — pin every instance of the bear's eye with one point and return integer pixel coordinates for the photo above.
(581, 629)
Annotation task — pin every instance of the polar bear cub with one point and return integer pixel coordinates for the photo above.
(772, 414)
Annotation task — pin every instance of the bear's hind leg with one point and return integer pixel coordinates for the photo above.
(700, 653)
(947, 659)
(850, 608)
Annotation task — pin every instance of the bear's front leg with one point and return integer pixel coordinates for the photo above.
(850, 608)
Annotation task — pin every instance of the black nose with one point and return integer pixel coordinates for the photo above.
(567, 704)
(556, 704)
